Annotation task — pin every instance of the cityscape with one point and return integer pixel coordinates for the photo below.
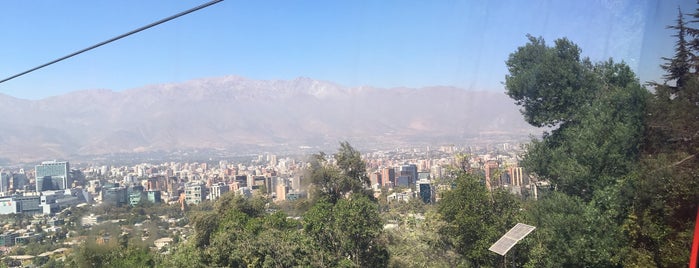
(44, 194)
(350, 134)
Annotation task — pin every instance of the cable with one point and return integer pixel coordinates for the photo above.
(113, 39)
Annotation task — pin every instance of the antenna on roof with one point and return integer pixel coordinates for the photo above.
(113, 39)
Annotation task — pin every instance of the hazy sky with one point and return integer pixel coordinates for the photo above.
(352, 43)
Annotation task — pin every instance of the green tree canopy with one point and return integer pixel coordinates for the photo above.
(475, 218)
(550, 83)
(347, 175)
(597, 109)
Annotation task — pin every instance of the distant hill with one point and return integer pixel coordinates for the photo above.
(231, 112)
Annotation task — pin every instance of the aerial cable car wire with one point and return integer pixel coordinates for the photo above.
(113, 39)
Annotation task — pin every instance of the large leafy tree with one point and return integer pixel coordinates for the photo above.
(344, 223)
(348, 232)
(595, 111)
(475, 218)
(239, 233)
(571, 233)
(596, 151)
(335, 180)
(550, 83)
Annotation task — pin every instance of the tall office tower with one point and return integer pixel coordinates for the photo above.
(388, 177)
(5, 181)
(52, 175)
(411, 172)
(375, 178)
(273, 160)
(19, 181)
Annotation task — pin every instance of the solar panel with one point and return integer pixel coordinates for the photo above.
(507, 241)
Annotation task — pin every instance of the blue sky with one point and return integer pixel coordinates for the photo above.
(352, 43)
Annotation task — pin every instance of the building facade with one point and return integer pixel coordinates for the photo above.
(52, 175)
(409, 172)
(194, 193)
(388, 177)
(217, 190)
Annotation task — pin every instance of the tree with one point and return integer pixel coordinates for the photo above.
(359, 227)
(678, 67)
(239, 233)
(664, 192)
(596, 112)
(474, 221)
(91, 254)
(421, 245)
(350, 230)
(318, 224)
(344, 223)
(571, 233)
(597, 109)
(349, 160)
(185, 255)
(348, 175)
(597, 151)
(550, 83)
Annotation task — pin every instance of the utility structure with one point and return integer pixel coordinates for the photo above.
(113, 39)
(510, 239)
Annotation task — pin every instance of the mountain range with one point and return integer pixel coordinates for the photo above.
(233, 112)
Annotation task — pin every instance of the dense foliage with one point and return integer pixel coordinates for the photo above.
(665, 189)
(622, 159)
(475, 218)
(598, 121)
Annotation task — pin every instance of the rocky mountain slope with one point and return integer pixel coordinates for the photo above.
(230, 112)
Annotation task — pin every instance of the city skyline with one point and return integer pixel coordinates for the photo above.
(386, 44)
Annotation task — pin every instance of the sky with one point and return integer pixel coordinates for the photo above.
(388, 43)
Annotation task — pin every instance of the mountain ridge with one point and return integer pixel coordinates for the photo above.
(233, 111)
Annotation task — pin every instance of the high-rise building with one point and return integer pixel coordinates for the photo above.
(113, 194)
(436, 171)
(4, 182)
(281, 189)
(409, 171)
(194, 192)
(19, 181)
(375, 178)
(273, 160)
(242, 180)
(154, 196)
(217, 190)
(425, 190)
(388, 177)
(136, 195)
(52, 175)
(403, 181)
